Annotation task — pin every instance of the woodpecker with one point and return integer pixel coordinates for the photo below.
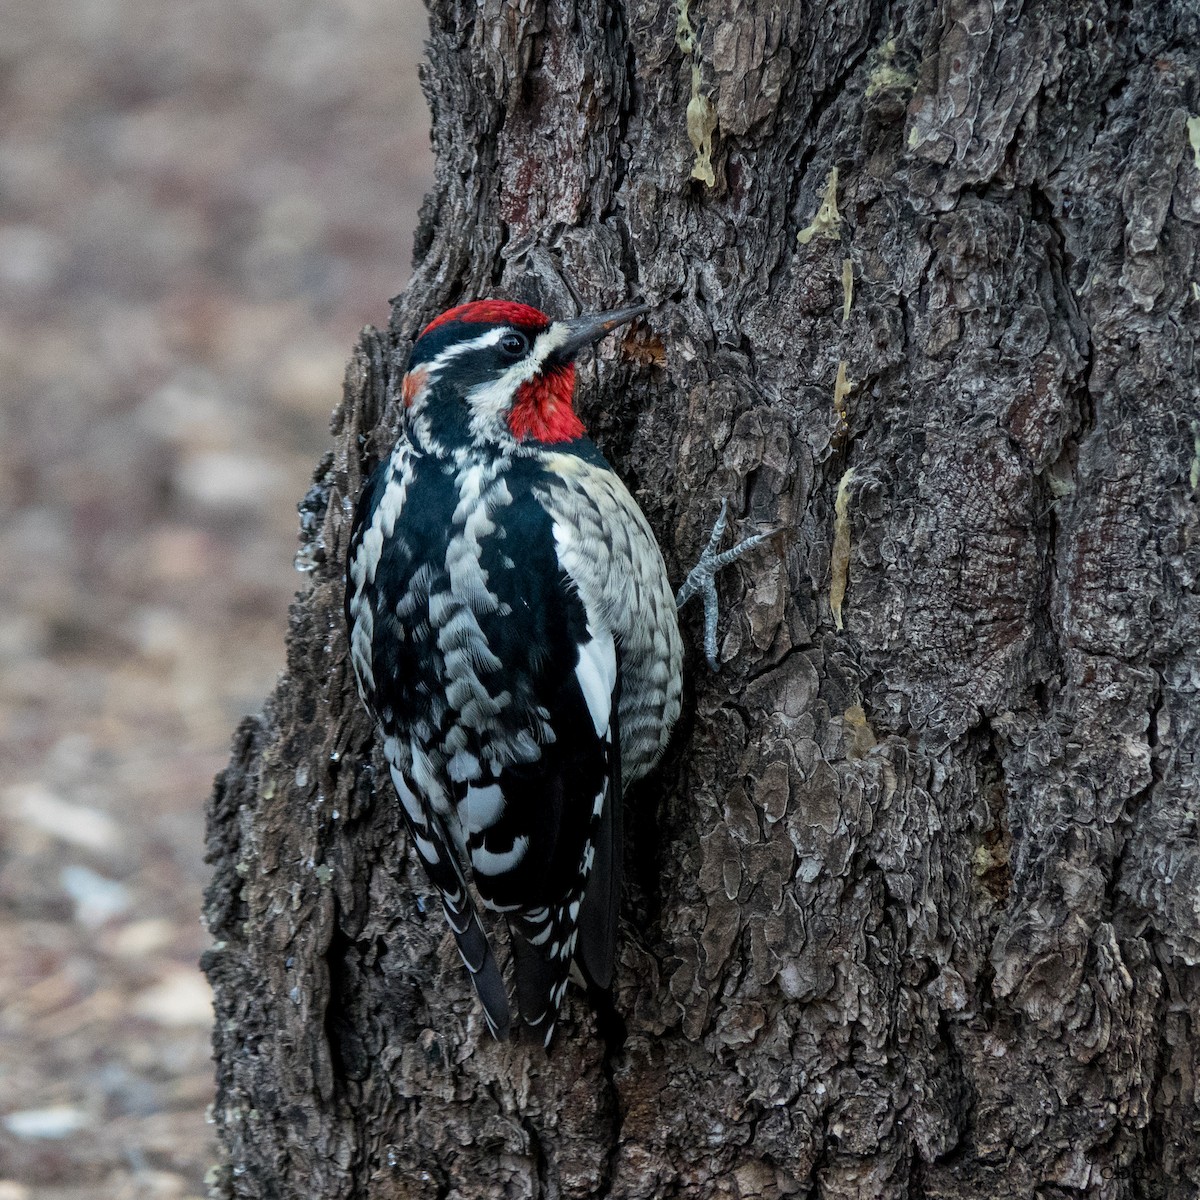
(514, 636)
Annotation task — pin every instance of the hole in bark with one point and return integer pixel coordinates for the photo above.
(992, 866)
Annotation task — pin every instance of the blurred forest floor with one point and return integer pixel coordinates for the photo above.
(200, 204)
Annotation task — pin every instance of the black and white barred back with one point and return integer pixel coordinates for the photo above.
(514, 635)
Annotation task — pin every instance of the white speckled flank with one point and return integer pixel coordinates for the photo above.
(608, 550)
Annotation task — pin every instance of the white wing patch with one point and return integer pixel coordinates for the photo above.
(596, 669)
(362, 638)
(489, 863)
(427, 850)
(597, 675)
(365, 563)
(426, 774)
(463, 767)
(485, 806)
(408, 798)
(383, 521)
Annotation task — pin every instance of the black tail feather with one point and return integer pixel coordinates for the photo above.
(476, 952)
(602, 895)
(544, 940)
(542, 953)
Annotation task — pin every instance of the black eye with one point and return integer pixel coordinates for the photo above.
(514, 344)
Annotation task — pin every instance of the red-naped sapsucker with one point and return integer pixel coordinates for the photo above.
(515, 638)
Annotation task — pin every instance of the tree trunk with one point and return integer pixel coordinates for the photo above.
(913, 907)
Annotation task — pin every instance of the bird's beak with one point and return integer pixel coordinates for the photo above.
(583, 331)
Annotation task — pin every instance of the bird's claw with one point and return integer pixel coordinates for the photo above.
(702, 578)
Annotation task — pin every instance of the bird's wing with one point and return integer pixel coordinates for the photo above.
(388, 583)
(497, 681)
(440, 860)
(539, 827)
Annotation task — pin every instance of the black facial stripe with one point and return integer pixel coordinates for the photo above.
(431, 344)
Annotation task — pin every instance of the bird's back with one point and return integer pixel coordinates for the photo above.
(507, 627)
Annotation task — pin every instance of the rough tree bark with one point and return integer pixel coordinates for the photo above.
(913, 908)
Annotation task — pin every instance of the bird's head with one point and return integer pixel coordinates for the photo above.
(496, 371)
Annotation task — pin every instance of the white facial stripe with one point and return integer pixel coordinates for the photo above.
(489, 401)
(490, 338)
(547, 342)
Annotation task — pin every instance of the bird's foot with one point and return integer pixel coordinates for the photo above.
(702, 578)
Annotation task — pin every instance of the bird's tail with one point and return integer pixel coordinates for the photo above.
(477, 954)
(435, 849)
(543, 942)
(544, 939)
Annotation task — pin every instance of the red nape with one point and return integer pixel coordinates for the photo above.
(412, 384)
(543, 409)
(491, 312)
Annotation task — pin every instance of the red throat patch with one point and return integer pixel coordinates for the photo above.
(542, 411)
